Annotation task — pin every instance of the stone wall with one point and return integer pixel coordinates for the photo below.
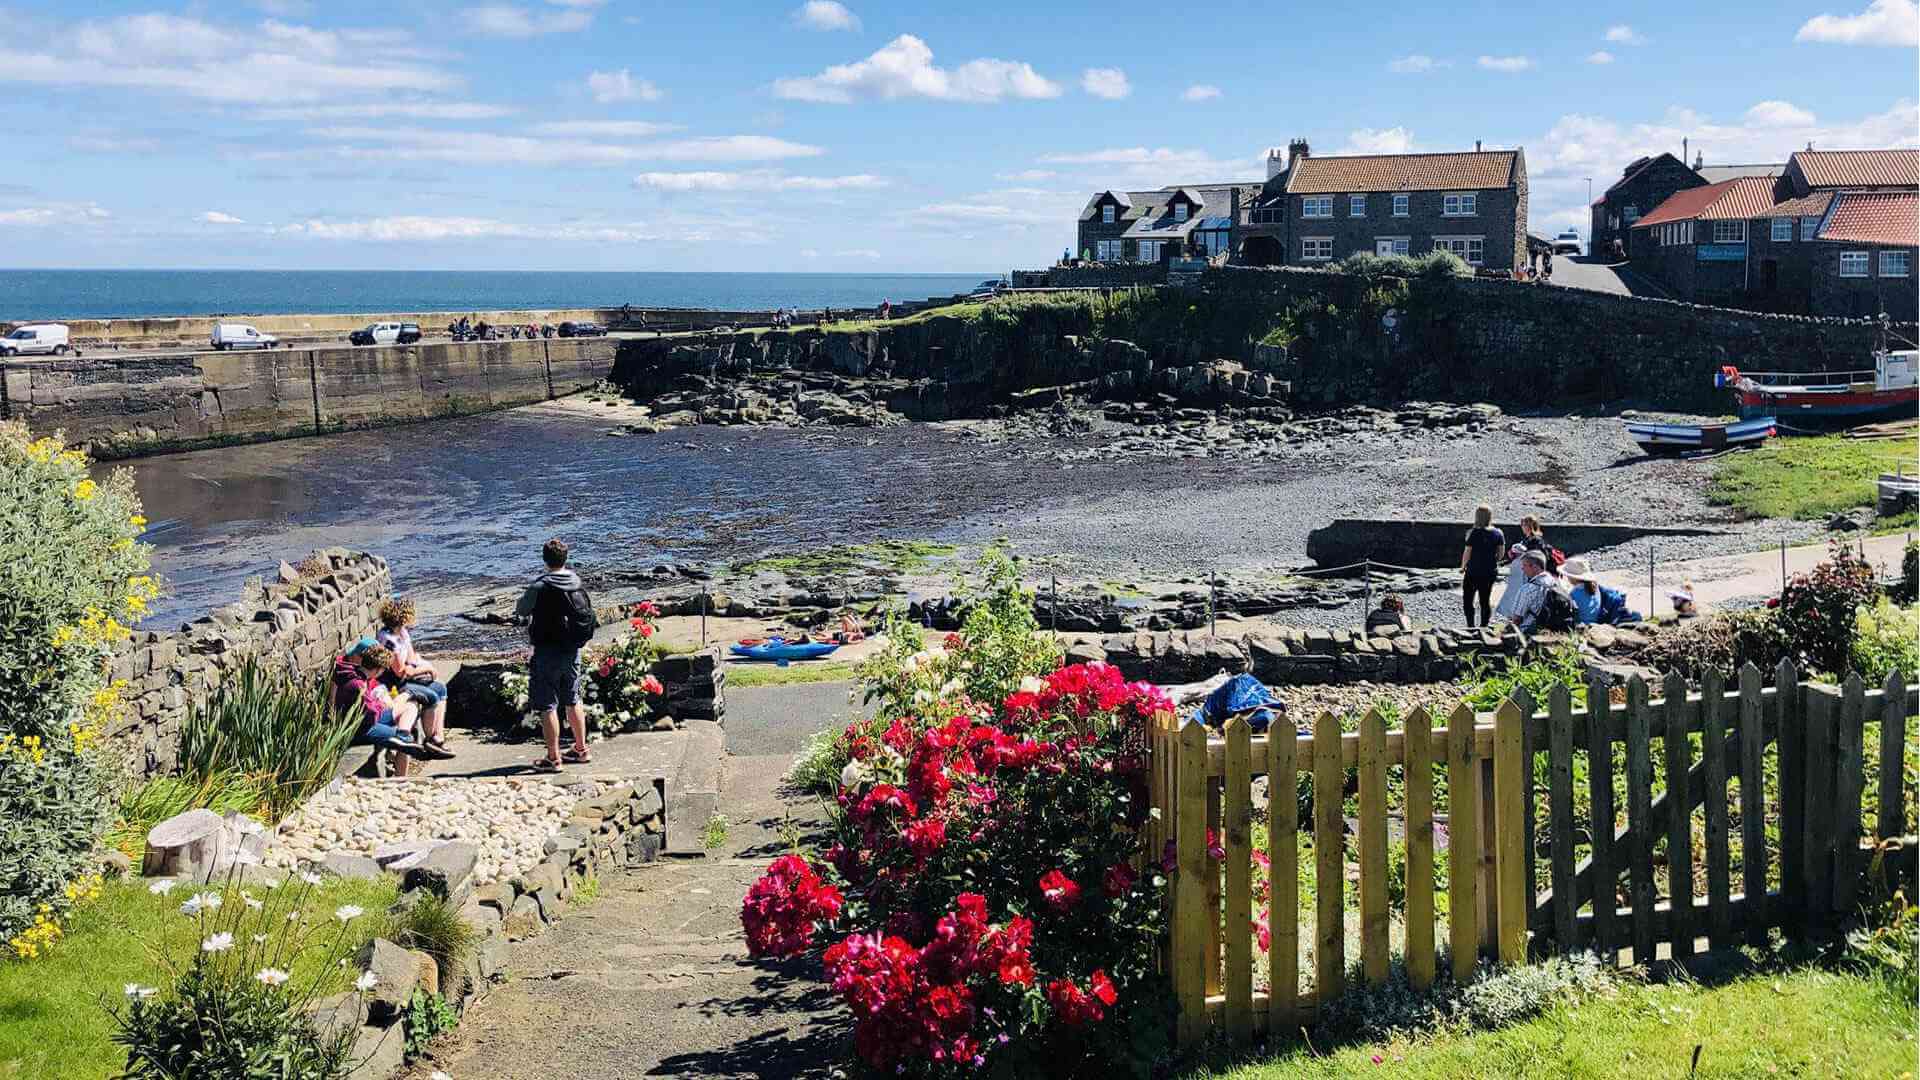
(1103, 276)
(127, 406)
(1437, 544)
(304, 622)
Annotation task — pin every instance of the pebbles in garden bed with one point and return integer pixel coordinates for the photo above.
(509, 821)
(1305, 703)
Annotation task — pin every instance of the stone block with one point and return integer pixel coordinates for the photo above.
(523, 920)
(379, 1053)
(446, 871)
(427, 972)
(491, 955)
(337, 1014)
(484, 918)
(642, 847)
(347, 865)
(398, 973)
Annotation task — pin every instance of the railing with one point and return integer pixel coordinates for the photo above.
(1267, 215)
(1491, 766)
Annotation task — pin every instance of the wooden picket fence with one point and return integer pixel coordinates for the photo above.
(1200, 784)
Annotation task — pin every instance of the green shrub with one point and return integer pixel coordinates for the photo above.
(1908, 591)
(428, 1017)
(1484, 687)
(1817, 608)
(1723, 641)
(1886, 639)
(433, 925)
(1495, 998)
(816, 771)
(272, 724)
(1441, 266)
(72, 580)
(166, 796)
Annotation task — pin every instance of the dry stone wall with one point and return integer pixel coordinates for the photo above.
(305, 622)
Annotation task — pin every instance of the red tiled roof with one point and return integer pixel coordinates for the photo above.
(1805, 206)
(1402, 172)
(1746, 197)
(1874, 217)
(1859, 168)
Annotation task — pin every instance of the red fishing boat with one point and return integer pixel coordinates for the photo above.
(1828, 399)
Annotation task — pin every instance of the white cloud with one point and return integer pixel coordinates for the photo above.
(1027, 176)
(272, 64)
(1393, 140)
(1600, 56)
(825, 15)
(1885, 22)
(417, 228)
(1108, 83)
(1622, 34)
(509, 21)
(61, 214)
(1507, 64)
(758, 180)
(611, 86)
(1414, 64)
(481, 147)
(904, 68)
(215, 217)
(425, 110)
(1776, 114)
(286, 9)
(603, 129)
(1200, 92)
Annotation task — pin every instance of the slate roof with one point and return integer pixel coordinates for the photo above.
(1713, 174)
(1859, 168)
(1874, 217)
(1466, 171)
(1639, 166)
(1151, 220)
(1805, 206)
(1126, 199)
(1746, 197)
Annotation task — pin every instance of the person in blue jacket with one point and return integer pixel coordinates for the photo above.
(1597, 604)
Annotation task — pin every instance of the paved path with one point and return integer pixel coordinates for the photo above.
(651, 978)
(1599, 275)
(1740, 577)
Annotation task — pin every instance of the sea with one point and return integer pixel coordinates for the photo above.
(114, 294)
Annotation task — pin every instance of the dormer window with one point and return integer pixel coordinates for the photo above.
(1106, 214)
(1179, 212)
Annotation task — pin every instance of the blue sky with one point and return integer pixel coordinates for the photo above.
(654, 135)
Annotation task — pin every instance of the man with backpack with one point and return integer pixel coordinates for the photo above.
(1541, 604)
(560, 622)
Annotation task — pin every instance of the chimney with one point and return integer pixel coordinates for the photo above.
(1699, 161)
(1296, 150)
(1476, 146)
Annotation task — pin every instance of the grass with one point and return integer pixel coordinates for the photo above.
(898, 556)
(1805, 1022)
(715, 833)
(166, 796)
(1808, 477)
(809, 671)
(51, 1019)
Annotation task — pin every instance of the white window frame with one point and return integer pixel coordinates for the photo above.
(1630, 215)
(1687, 238)
(1402, 204)
(1730, 231)
(1106, 214)
(1316, 206)
(1809, 226)
(1316, 249)
(1180, 212)
(1460, 204)
(1463, 246)
(1402, 245)
(1356, 206)
(1149, 251)
(1783, 230)
(1106, 250)
(1860, 259)
(1905, 260)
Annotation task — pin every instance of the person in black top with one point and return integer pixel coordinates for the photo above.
(1480, 565)
(561, 621)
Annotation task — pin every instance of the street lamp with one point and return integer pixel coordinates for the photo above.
(1589, 191)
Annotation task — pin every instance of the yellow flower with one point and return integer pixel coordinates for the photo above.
(63, 636)
(138, 521)
(84, 490)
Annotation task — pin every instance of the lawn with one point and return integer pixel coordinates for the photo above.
(52, 1023)
(894, 556)
(1808, 476)
(806, 671)
(1809, 1022)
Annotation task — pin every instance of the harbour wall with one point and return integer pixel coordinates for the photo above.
(122, 407)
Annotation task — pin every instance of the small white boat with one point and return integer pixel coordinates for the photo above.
(1686, 438)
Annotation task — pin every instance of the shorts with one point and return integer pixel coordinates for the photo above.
(553, 677)
(428, 694)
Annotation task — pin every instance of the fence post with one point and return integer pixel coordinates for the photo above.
(1509, 767)
(1213, 602)
(1375, 930)
(1053, 587)
(1419, 829)
(1366, 585)
(1463, 843)
(1237, 839)
(1329, 861)
(1893, 741)
(703, 616)
(1652, 601)
(1190, 930)
(1678, 758)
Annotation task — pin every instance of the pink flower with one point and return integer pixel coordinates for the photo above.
(1059, 891)
(1117, 880)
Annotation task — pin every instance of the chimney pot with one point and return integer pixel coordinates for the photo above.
(1476, 146)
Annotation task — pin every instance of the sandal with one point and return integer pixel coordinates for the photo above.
(577, 756)
(545, 765)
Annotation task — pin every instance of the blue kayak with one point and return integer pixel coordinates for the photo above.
(775, 649)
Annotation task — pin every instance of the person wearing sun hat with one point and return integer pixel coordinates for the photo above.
(1595, 603)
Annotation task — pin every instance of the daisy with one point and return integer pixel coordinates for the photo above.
(162, 887)
(220, 942)
(191, 906)
(348, 912)
(259, 939)
(251, 902)
(309, 877)
(271, 976)
(367, 981)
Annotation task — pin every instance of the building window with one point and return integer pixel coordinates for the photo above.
(1471, 248)
(1460, 204)
(1212, 241)
(1106, 214)
(1729, 232)
(1809, 226)
(1316, 248)
(1392, 245)
(1782, 230)
(1896, 264)
(1179, 211)
(1356, 206)
(1150, 250)
(1400, 205)
(1316, 206)
(1106, 250)
(1853, 264)
(1686, 236)
(1630, 215)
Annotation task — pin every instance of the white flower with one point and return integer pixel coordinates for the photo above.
(271, 976)
(348, 912)
(191, 906)
(293, 916)
(852, 775)
(950, 688)
(244, 857)
(367, 981)
(259, 939)
(251, 902)
(1031, 685)
(922, 697)
(162, 887)
(135, 990)
(309, 877)
(206, 901)
(220, 942)
(438, 1075)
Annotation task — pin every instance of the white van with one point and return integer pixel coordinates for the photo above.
(36, 339)
(235, 335)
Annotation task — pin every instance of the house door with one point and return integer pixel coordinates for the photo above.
(1383, 247)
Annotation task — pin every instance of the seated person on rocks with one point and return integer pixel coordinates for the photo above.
(1685, 606)
(411, 675)
(1595, 603)
(1390, 615)
(1540, 603)
(384, 722)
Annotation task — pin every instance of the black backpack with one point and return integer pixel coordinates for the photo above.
(562, 617)
(1558, 613)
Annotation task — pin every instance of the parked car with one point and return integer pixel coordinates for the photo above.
(1567, 243)
(234, 335)
(36, 339)
(582, 329)
(386, 333)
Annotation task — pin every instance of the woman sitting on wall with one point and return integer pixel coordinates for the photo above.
(411, 675)
(385, 720)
